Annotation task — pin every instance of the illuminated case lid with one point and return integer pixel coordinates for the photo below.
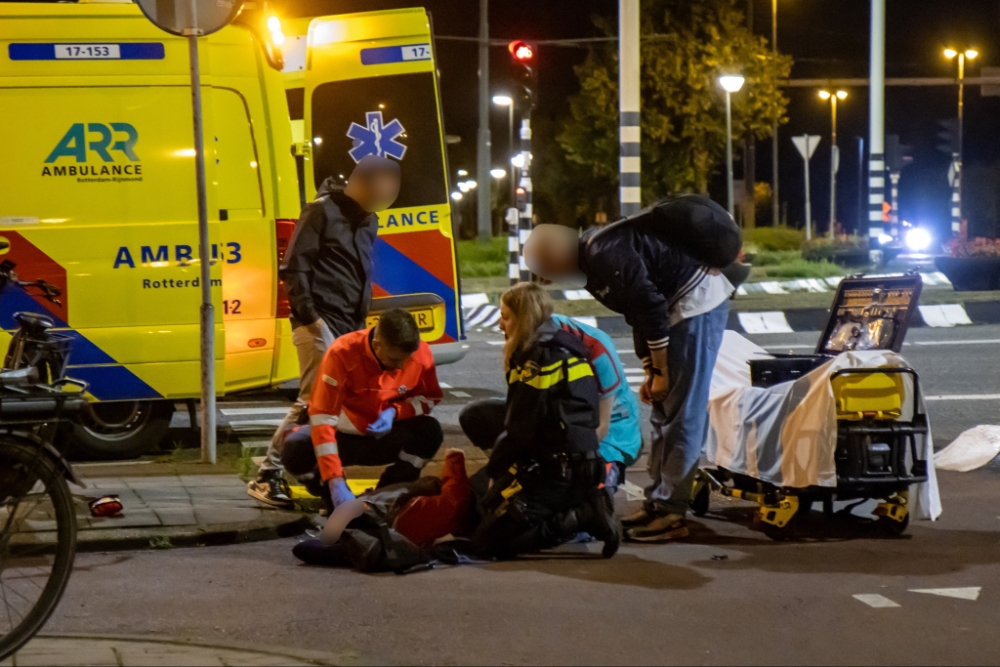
(871, 313)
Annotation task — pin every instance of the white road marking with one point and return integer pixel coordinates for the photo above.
(589, 320)
(969, 593)
(460, 394)
(254, 424)
(875, 600)
(444, 385)
(240, 412)
(964, 397)
(764, 322)
(945, 315)
(982, 341)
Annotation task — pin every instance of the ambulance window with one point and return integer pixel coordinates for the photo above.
(394, 115)
(237, 168)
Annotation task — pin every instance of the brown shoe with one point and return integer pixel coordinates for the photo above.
(660, 529)
(638, 518)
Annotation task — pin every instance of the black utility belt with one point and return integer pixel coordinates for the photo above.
(568, 456)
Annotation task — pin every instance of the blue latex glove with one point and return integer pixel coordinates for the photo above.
(383, 424)
(339, 491)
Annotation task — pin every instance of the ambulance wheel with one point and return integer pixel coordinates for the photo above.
(119, 430)
(701, 501)
(893, 527)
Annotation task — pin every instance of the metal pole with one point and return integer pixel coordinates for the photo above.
(774, 128)
(729, 154)
(205, 256)
(894, 201)
(876, 128)
(484, 224)
(956, 224)
(808, 198)
(628, 106)
(861, 185)
(526, 211)
(510, 153)
(833, 165)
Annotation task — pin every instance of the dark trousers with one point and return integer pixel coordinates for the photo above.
(406, 449)
(482, 421)
(539, 507)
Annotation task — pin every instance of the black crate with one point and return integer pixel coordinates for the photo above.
(783, 368)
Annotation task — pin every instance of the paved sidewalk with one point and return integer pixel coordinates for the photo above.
(178, 510)
(54, 651)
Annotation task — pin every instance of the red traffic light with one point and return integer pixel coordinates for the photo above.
(521, 50)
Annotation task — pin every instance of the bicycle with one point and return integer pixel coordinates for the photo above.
(37, 511)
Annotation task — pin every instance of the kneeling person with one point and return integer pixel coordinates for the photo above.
(371, 406)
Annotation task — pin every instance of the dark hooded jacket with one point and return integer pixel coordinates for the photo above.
(552, 402)
(327, 270)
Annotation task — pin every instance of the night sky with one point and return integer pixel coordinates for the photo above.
(824, 38)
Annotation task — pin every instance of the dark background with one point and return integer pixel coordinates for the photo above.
(825, 39)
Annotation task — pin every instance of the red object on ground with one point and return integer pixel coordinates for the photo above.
(106, 506)
(427, 518)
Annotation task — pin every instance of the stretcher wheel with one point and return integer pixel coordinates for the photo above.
(701, 501)
(778, 534)
(893, 527)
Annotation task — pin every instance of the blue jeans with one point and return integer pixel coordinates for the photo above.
(680, 423)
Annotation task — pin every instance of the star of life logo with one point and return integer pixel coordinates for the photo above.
(376, 138)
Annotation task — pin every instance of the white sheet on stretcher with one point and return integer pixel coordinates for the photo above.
(787, 434)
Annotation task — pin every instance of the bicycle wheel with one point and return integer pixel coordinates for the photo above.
(37, 540)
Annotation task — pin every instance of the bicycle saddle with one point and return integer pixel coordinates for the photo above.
(34, 322)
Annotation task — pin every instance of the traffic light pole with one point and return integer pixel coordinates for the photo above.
(956, 204)
(774, 129)
(628, 107)
(484, 225)
(524, 228)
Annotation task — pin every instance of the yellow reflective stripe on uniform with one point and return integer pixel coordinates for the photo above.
(553, 374)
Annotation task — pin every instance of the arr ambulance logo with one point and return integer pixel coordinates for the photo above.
(96, 153)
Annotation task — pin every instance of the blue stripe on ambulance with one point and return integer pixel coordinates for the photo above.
(398, 274)
(108, 380)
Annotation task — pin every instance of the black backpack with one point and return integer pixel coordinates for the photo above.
(697, 226)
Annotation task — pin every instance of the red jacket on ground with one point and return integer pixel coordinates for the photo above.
(352, 390)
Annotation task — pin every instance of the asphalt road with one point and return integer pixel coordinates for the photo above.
(959, 369)
(842, 593)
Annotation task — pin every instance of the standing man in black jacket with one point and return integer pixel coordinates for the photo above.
(327, 273)
(644, 268)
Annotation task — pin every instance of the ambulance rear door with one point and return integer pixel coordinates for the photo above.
(371, 89)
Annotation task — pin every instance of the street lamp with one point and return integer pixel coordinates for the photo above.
(498, 173)
(774, 127)
(950, 54)
(731, 83)
(834, 151)
(507, 101)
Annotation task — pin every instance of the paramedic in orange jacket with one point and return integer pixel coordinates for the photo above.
(371, 404)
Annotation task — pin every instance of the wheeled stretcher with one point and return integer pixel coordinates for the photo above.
(844, 424)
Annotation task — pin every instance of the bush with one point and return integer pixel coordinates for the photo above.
(483, 260)
(977, 247)
(775, 258)
(773, 239)
(800, 268)
(842, 250)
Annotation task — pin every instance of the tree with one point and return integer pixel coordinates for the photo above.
(685, 47)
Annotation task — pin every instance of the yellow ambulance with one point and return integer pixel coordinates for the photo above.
(97, 190)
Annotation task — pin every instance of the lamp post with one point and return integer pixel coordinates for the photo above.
(834, 162)
(950, 54)
(731, 83)
(507, 101)
(774, 128)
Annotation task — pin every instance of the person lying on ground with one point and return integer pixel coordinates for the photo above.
(677, 307)
(371, 406)
(618, 431)
(546, 471)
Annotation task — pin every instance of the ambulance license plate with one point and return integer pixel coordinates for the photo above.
(423, 316)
